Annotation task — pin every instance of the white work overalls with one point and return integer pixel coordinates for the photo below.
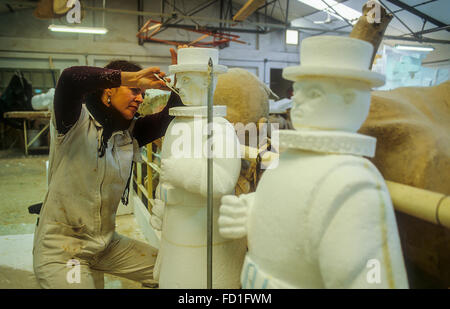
(77, 220)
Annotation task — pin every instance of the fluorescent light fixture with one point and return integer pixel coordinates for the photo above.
(414, 48)
(76, 29)
(347, 12)
(153, 27)
(292, 37)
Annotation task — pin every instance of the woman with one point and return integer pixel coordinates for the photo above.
(93, 146)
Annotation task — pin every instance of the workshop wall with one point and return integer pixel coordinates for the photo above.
(26, 42)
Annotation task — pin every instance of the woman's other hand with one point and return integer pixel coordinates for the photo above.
(174, 56)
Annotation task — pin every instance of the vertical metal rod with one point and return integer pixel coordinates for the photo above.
(221, 14)
(265, 15)
(286, 20)
(210, 176)
(25, 136)
(230, 4)
(140, 5)
(104, 12)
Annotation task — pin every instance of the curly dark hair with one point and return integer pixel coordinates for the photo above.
(123, 65)
(109, 117)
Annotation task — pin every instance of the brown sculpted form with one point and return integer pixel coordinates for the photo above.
(412, 127)
(243, 94)
(369, 29)
(247, 101)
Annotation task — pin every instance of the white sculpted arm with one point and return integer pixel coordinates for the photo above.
(191, 173)
(356, 234)
(234, 213)
(158, 214)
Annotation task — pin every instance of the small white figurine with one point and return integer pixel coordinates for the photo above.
(182, 257)
(323, 218)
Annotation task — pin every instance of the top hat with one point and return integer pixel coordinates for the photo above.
(335, 56)
(196, 59)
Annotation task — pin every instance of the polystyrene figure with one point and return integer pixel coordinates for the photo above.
(182, 192)
(323, 218)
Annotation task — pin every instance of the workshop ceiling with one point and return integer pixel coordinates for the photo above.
(304, 16)
(418, 21)
(404, 23)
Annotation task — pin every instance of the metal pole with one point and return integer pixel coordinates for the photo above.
(221, 14)
(25, 136)
(140, 19)
(210, 176)
(286, 20)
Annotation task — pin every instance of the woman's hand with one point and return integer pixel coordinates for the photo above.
(144, 79)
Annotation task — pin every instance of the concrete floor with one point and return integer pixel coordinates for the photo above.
(23, 183)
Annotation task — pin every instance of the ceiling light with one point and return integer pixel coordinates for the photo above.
(326, 21)
(73, 29)
(414, 48)
(153, 27)
(292, 37)
(346, 12)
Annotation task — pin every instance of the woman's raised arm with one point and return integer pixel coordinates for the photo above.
(73, 84)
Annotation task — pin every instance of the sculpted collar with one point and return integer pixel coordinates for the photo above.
(197, 111)
(332, 142)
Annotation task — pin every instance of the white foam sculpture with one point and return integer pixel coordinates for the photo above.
(43, 101)
(182, 192)
(323, 218)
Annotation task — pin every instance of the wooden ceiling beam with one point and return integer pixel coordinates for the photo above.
(248, 9)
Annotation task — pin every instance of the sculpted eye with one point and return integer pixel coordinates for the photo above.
(348, 96)
(314, 93)
(185, 80)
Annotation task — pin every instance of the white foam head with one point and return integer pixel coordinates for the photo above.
(335, 56)
(325, 103)
(196, 60)
(192, 73)
(336, 52)
(197, 55)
